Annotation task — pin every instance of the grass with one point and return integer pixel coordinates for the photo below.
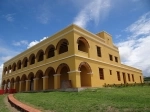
(127, 99)
(3, 107)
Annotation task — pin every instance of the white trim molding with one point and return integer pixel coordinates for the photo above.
(90, 73)
(45, 77)
(74, 71)
(56, 74)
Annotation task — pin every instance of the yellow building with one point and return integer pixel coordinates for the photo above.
(71, 58)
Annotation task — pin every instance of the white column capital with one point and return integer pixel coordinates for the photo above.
(45, 77)
(90, 73)
(28, 80)
(56, 74)
(74, 71)
(21, 81)
(35, 78)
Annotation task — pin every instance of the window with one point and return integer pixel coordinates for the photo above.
(51, 53)
(132, 77)
(98, 51)
(25, 63)
(129, 77)
(41, 57)
(62, 46)
(118, 76)
(110, 72)
(116, 59)
(32, 60)
(110, 57)
(101, 73)
(19, 65)
(83, 44)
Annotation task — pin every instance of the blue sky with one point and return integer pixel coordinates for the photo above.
(24, 23)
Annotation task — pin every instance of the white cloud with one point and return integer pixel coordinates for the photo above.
(9, 17)
(135, 51)
(140, 27)
(22, 42)
(92, 10)
(44, 13)
(35, 42)
(32, 43)
(5, 58)
(1, 69)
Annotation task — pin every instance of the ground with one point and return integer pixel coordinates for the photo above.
(126, 99)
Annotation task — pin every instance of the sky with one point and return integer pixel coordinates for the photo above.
(24, 23)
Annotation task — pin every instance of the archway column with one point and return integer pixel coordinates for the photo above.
(15, 86)
(57, 81)
(5, 87)
(28, 85)
(2, 87)
(45, 82)
(20, 85)
(11, 85)
(36, 84)
(44, 57)
(74, 76)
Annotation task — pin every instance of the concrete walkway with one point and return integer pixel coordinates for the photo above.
(20, 106)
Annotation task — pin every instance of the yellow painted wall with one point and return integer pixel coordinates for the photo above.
(74, 57)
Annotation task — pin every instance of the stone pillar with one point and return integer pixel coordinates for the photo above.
(45, 82)
(44, 57)
(28, 85)
(5, 88)
(20, 85)
(15, 86)
(36, 84)
(91, 75)
(74, 76)
(11, 85)
(56, 54)
(57, 81)
(2, 87)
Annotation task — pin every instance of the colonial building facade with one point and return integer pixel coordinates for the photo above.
(74, 55)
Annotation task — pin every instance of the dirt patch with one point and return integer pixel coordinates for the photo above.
(8, 105)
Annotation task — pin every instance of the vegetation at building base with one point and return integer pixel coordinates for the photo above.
(146, 83)
(3, 107)
(126, 99)
(147, 79)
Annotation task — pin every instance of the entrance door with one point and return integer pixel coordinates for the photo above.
(124, 78)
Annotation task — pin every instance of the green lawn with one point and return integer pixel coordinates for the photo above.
(3, 107)
(127, 99)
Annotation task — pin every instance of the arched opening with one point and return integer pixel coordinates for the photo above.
(32, 59)
(5, 71)
(50, 51)
(14, 67)
(17, 83)
(9, 69)
(4, 85)
(12, 83)
(31, 84)
(8, 84)
(50, 72)
(39, 75)
(62, 46)
(85, 74)
(23, 82)
(19, 64)
(63, 70)
(83, 44)
(40, 55)
(25, 62)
